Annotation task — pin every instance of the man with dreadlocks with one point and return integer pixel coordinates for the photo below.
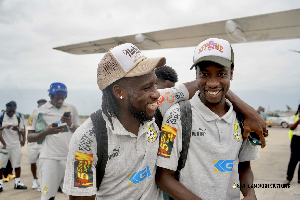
(129, 102)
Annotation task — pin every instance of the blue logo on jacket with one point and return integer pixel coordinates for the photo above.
(139, 176)
(223, 166)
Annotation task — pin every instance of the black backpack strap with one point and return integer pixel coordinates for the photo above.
(1, 119)
(158, 118)
(19, 118)
(240, 119)
(186, 123)
(102, 145)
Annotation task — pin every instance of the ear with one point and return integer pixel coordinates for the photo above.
(231, 74)
(118, 91)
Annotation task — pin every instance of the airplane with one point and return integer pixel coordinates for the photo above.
(295, 51)
(266, 27)
(289, 112)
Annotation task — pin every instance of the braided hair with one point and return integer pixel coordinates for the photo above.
(109, 103)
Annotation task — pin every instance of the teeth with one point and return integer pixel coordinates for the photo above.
(153, 105)
(213, 93)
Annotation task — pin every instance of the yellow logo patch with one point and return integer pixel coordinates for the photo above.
(45, 191)
(151, 134)
(237, 134)
(30, 120)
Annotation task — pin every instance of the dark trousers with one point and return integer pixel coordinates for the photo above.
(295, 158)
(8, 169)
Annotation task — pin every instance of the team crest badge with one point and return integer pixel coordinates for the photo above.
(237, 134)
(30, 120)
(151, 134)
(45, 191)
(234, 186)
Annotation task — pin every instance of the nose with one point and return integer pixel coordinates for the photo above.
(60, 101)
(155, 94)
(213, 82)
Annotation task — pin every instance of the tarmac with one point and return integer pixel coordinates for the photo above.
(270, 169)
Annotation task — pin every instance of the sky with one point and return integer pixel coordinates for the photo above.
(266, 73)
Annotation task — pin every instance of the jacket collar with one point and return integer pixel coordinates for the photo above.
(206, 113)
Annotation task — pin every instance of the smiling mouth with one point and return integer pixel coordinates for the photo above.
(213, 93)
(152, 106)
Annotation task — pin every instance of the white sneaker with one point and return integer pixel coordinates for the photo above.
(39, 188)
(20, 185)
(35, 184)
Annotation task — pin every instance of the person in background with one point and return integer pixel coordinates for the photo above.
(166, 77)
(33, 152)
(8, 170)
(295, 147)
(55, 144)
(263, 114)
(12, 130)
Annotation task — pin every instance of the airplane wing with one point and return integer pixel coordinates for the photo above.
(273, 26)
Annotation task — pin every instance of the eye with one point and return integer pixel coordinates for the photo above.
(147, 88)
(222, 74)
(203, 74)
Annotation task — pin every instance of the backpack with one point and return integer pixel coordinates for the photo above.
(102, 138)
(102, 145)
(2, 117)
(186, 122)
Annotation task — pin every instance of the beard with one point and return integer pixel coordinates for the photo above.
(140, 115)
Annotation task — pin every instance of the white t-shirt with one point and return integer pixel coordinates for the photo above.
(55, 146)
(215, 150)
(297, 129)
(10, 136)
(131, 166)
(33, 145)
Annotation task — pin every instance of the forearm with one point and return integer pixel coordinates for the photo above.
(192, 87)
(73, 129)
(1, 139)
(238, 104)
(253, 122)
(22, 133)
(246, 179)
(295, 125)
(82, 198)
(172, 187)
(35, 137)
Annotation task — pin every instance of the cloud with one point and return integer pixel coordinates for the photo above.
(30, 30)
